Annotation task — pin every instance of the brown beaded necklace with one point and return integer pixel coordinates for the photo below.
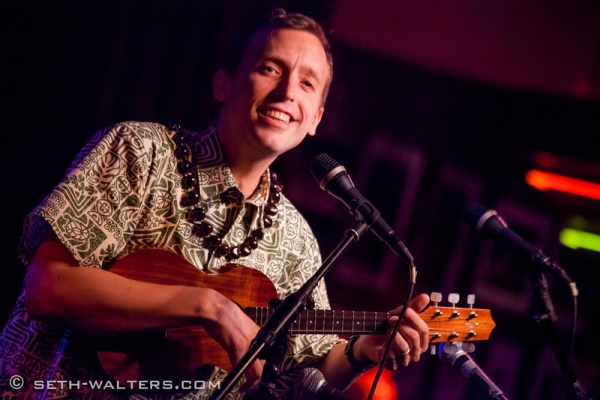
(196, 214)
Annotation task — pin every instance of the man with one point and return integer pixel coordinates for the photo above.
(208, 197)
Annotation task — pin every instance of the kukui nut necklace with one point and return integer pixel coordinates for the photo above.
(196, 214)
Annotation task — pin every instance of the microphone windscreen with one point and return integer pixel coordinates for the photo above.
(321, 165)
(473, 213)
(308, 383)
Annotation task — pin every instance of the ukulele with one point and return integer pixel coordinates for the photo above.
(175, 352)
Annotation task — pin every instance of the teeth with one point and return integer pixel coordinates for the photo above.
(277, 115)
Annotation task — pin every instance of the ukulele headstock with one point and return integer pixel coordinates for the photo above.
(457, 324)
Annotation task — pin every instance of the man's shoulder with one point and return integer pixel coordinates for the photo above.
(288, 205)
(139, 127)
(129, 136)
(142, 133)
(291, 214)
(150, 129)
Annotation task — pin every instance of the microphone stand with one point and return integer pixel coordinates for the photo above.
(284, 315)
(546, 319)
(273, 354)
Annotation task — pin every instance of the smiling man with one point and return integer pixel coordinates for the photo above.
(272, 101)
(207, 197)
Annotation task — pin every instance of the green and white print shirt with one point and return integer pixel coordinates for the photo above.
(122, 194)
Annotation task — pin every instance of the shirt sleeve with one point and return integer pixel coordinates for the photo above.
(96, 207)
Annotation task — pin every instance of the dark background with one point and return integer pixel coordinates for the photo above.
(419, 141)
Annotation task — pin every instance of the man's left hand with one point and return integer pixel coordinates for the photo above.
(409, 343)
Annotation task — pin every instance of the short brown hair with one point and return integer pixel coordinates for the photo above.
(280, 19)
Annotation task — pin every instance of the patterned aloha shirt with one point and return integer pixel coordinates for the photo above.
(122, 194)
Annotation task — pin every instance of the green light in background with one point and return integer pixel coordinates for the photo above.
(576, 239)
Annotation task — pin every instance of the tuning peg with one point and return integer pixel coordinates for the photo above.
(453, 298)
(471, 300)
(468, 347)
(435, 297)
(451, 348)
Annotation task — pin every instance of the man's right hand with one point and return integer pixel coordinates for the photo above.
(99, 302)
(234, 331)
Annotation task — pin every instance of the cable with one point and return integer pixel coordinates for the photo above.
(563, 384)
(412, 273)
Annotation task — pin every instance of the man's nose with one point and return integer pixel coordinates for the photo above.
(285, 89)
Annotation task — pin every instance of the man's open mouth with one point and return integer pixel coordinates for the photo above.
(278, 115)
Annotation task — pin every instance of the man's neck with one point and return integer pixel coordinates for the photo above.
(247, 179)
(246, 166)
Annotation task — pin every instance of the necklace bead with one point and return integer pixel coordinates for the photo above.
(196, 214)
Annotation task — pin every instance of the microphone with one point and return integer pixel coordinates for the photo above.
(311, 385)
(453, 355)
(334, 179)
(489, 224)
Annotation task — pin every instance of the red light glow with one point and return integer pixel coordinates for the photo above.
(386, 388)
(547, 181)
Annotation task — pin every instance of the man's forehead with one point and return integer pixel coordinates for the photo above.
(263, 41)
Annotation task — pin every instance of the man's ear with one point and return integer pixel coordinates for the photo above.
(221, 85)
(312, 130)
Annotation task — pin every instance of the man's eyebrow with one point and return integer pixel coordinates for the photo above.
(309, 71)
(306, 70)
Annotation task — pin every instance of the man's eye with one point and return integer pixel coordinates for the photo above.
(308, 84)
(268, 69)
